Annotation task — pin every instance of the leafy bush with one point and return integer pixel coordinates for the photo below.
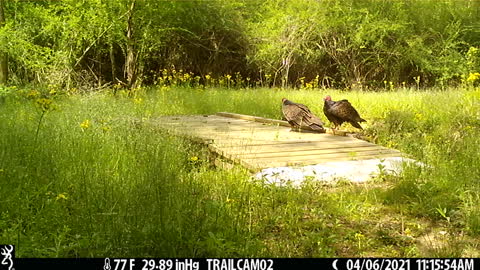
(312, 44)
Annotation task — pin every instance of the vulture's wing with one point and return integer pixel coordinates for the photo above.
(299, 114)
(345, 111)
(292, 113)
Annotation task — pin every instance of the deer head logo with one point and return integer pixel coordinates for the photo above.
(7, 252)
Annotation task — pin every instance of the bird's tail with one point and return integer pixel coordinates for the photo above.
(357, 125)
(317, 127)
(315, 123)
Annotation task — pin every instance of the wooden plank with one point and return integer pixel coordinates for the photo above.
(222, 127)
(284, 147)
(233, 126)
(302, 152)
(308, 160)
(192, 121)
(295, 144)
(255, 119)
(256, 165)
(317, 153)
(264, 136)
(275, 121)
(289, 147)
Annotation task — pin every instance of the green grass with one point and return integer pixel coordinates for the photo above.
(118, 187)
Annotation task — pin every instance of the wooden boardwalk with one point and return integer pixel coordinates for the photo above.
(259, 143)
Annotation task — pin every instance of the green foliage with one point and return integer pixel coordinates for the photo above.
(363, 43)
(442, 136)
(83, 43)
(79, 201)
(284, 43)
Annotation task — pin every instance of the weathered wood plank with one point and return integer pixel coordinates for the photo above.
(306, 152)
(256, 119)
(317, 153)
(297, 144)
(274, 121)
(256, 165)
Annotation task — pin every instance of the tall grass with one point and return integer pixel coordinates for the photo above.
(115, 186)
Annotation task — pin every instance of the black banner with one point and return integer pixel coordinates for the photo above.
(10, 262)
(249, 264)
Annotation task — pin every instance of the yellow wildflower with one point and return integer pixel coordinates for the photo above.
(44, 103)
(85, 124)
(194, 158)
(419, 116)
(359, 236)
(62, 196)
(472, 77)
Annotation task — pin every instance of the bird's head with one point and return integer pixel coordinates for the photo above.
(327, 98)
(283, 100)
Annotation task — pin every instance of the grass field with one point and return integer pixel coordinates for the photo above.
(80, 178)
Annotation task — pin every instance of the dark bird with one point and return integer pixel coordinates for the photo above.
(299, 115)
(341, 111)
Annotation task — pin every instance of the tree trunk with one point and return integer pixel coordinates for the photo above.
(131, 60)
(113, 62)
(3, 56)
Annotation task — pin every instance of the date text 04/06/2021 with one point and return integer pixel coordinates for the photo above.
(409, 264)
